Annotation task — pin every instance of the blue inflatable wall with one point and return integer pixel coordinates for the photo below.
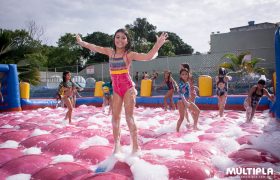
(10, 88)
(277, 67)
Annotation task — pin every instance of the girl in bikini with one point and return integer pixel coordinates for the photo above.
(66, 91)
(222, 89)
(124, 89)
(252, 101)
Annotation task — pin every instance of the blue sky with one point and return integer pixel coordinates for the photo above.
(192, 20)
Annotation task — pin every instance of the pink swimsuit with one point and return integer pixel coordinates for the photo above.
(121, 79)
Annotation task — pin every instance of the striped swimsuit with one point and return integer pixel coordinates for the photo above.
(121, 79)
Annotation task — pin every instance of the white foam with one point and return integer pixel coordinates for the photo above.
(9, 144)
(95, 140)
(8, 126)
(62, 158)
(107, 164)
(222, 162)
(93, 127)
(145, 170)
(188, 138)
(32, 150)
(38, 132)
(234, 131)
(19, 177)
(227, 145)
(166, 128)
(268, 142)
(166, 153)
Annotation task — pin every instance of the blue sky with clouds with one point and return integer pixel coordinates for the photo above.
(192, 20)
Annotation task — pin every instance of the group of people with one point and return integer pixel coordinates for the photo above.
(124, 92)
(252, 100)
(146, 76)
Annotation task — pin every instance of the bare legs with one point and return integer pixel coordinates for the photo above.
(181, 109)
(194, 110)
(195, 114)
(250, 111)
(129, 104)
(169, 95)
(116, 117)
(68, 102)
(221, 104)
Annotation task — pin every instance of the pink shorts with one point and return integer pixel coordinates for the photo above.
(121, 83)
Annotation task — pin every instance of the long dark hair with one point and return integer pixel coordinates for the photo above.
(128, 46)
(186, 66)
(169, 75)
(186, 70)
(222, 71)
(64, 75)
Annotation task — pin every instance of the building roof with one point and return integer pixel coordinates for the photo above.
(252, 26)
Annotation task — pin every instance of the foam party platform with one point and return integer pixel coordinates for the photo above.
(36, 143)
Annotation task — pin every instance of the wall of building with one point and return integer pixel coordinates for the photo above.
(258, 39)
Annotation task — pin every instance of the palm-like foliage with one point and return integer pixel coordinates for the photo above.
(28, 73)
(242, 65)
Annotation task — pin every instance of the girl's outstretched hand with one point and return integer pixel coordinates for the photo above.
(162, 38)
(79, 39)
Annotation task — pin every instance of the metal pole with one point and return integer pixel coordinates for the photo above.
(77, 68)
(167, 63)
(102, 71)
(47, 76)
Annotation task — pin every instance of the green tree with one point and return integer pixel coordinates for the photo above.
(17, 47)
(143, 30)
(100, 39)
(66, 56)
(179, 46)
(143, 33)
(242, 64)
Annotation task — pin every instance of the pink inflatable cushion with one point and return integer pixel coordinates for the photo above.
(94, 154)
(253, 155)
(18, 136)
(27, 164)
(123, 169)
(188, 169)
(66, 145)
(92, 132)
(108, 176)
(7, 154)
(64, 170)
(38, 141)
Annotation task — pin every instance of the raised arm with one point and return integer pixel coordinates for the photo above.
(270, 96)
(149, 56)
(93, 47)
(175, 84)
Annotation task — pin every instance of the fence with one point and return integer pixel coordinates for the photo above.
(202, 64)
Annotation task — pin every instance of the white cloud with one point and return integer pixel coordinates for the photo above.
(192, 20)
